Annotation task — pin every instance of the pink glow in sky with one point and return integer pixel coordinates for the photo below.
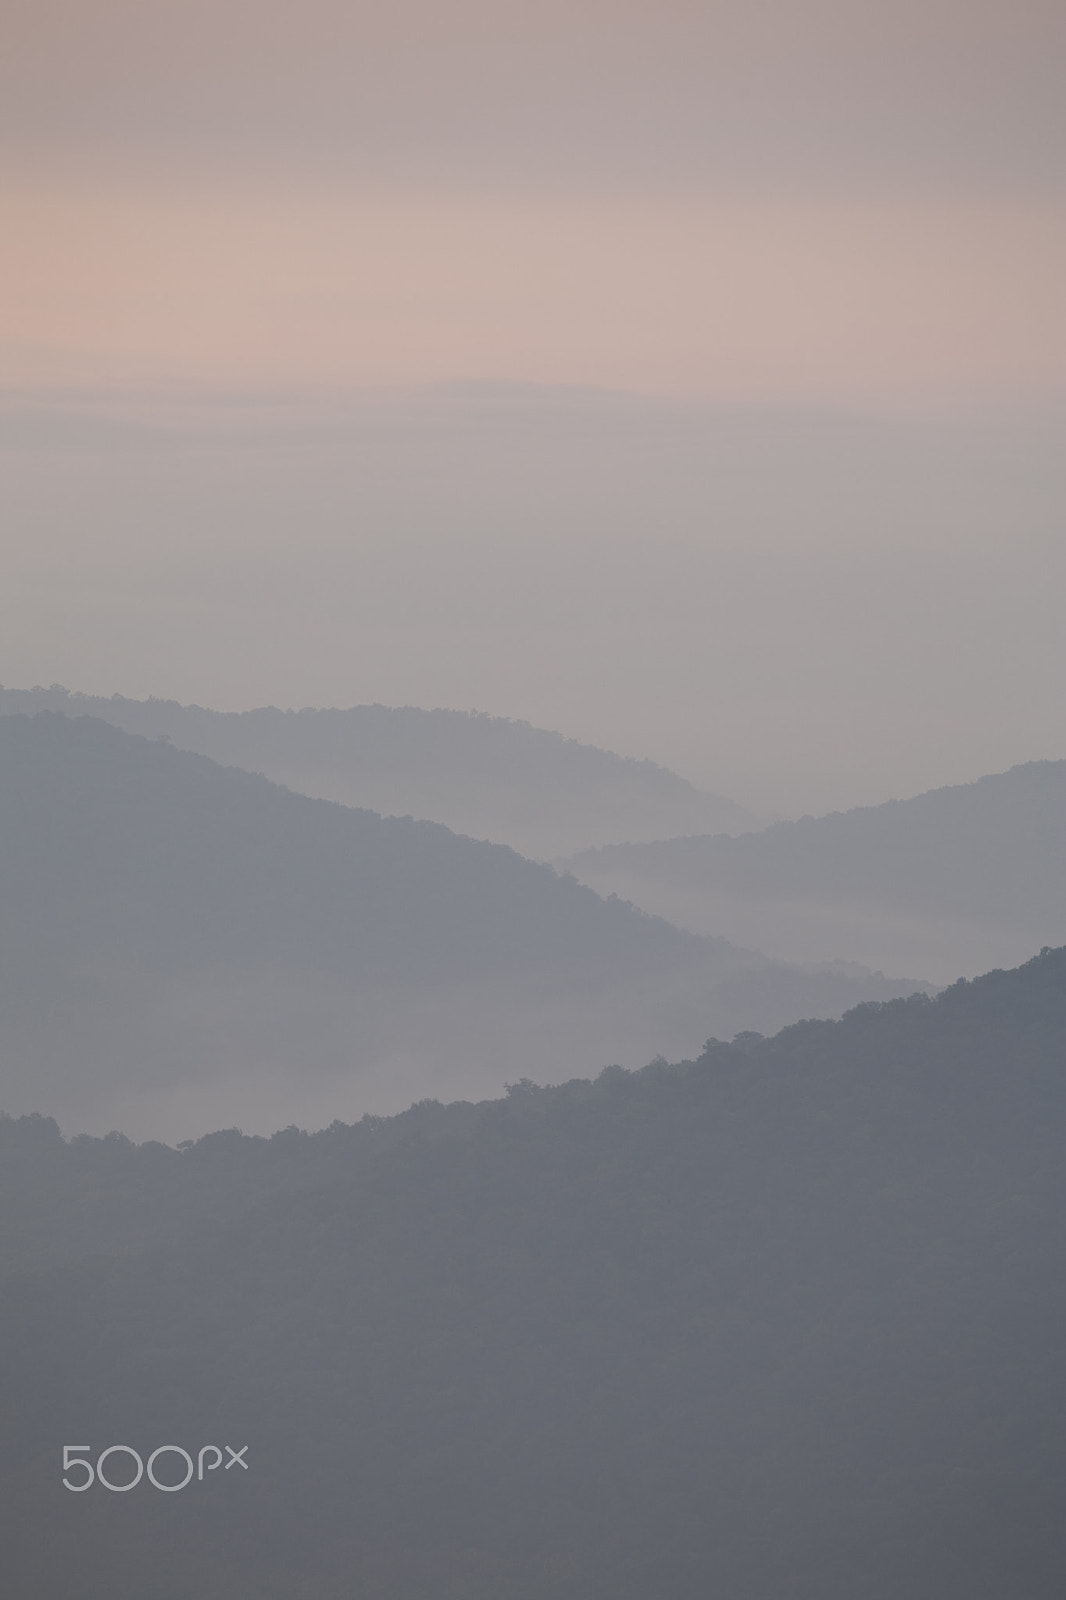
(812, 556)
(733, 298)
(741, 200)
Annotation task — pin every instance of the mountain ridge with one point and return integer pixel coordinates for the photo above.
(191, 938)
(965, 874)
(481, 775)
(784, 1319)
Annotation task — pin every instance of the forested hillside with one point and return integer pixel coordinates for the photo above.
(485, 776)
(786, 1320)
(185, 946)
(955, 880)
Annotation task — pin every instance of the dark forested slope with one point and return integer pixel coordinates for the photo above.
(485, 776)
(183, 945)
(787, 1320)
(953, 880)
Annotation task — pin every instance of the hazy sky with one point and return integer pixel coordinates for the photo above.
(837, 200)
(785, 507)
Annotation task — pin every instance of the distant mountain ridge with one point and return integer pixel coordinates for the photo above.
(489, 777)
(184, 944)
(961, 877)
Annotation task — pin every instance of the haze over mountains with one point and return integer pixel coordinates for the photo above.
(541, 1177)
(784, 1321)
(187, 946)
(953, 881)
(489, 777)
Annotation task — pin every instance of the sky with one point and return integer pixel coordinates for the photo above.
(687, 377)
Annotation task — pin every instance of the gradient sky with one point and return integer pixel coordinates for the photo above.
(787, 279)
(835, 200)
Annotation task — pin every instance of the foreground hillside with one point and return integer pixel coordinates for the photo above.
(787, 1320)
(955, 880)
(485, 776)
(184, 945)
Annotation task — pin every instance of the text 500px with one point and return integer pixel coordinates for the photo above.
(133, 1469)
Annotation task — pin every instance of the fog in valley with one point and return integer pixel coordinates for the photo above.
(954, 882)
(226, 950)
(532, 800)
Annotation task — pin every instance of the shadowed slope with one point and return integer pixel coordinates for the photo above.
(786, 1320)
(184, 944)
